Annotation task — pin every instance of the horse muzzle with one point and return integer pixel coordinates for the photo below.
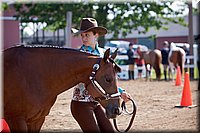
(113, 112)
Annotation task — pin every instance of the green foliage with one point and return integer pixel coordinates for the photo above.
(126, 16)
(4, 6)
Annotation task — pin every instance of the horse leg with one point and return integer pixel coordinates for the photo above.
(147, 72)
(36, 125)
(150, 73)
(170, 70)
(173, 71)
(158, 72)
(17, 124)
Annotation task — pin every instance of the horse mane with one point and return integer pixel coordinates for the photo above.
(44, 46)
(116, 66)
(53, 47)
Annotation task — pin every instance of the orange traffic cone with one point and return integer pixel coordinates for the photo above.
(4, 127)
(186, 100)
(178, 76)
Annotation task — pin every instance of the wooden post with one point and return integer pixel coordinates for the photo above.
(190, 27)
(190, 37)
(68, 29)
(21, 33)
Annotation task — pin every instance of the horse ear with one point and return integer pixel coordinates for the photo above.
(106, 54)
(113, 56)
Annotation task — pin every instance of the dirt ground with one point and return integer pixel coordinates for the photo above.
(155, 108)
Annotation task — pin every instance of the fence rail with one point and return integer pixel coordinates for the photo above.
(190, 61)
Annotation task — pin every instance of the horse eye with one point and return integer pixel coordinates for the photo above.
(108, 80)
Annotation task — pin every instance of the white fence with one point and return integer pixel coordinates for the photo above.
(188, 61)
(191, 62)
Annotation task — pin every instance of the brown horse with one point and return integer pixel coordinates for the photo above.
(34, 77)
(176, 58)
(152, 58)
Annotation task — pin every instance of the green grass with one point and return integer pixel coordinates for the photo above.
(153, 74)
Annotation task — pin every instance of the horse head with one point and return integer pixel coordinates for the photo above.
(103, 86)
(141, 54)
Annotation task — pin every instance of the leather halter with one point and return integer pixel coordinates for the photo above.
(107, 96)
(99, 88)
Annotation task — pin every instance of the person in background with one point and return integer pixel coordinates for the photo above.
(165, 53)
(139, 62)
(131, 61)
(89, 114)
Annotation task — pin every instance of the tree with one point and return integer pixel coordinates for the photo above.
(125, 17)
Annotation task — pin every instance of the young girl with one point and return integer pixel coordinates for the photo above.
(139, 62)
(92, 117)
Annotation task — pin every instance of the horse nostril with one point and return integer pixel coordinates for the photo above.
(117, 111)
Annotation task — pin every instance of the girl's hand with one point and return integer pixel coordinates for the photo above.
(125, 97)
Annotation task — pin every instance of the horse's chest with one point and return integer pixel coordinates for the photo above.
(148, 59)
(37, 112)
(40, 108)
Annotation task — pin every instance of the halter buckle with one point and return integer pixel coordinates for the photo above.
(96, 67)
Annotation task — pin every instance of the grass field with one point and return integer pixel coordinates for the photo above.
(153, 74)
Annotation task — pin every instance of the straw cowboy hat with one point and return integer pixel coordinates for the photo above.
(90, 24)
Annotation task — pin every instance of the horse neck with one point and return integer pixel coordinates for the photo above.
(78, 71)
(144, 55)
(55, 70)
(141, 54)
(84, 68)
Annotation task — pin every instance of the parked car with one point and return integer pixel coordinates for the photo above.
(122, 61)
(122, 46)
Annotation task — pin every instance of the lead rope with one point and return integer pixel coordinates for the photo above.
(128, 113)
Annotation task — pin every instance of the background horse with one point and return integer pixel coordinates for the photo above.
(33, 77)
(176, 58)
(152, 58)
